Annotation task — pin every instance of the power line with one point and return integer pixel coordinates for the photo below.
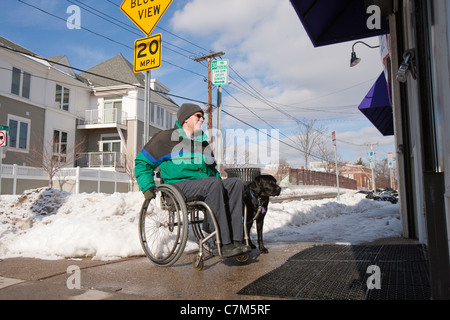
(103, 36)
(142, 87)
(122, 25)
(171, 33)
(252, 91)
(96, 74)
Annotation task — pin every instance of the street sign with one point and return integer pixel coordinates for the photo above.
(145, 13)
(219, 72)
(147, 53)
(2, 138)
(333, 137)
(390, 162)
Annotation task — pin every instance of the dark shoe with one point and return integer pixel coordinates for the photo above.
(230, 250)
(244, 248)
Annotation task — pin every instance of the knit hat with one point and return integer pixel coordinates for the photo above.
(186, 110)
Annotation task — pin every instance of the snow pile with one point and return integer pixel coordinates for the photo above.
(51, 224)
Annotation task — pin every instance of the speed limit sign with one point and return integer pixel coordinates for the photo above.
(2, 138)
(147, 53)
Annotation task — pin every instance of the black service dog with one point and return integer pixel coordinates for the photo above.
(256, 198)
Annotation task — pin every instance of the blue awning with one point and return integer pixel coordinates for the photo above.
(377, 106)
(334, 21)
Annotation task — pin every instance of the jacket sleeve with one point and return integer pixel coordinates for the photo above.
(144, 169)
(157, 150)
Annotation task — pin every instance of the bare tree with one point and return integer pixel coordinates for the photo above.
(129, 168)
(53, 155)
(382, 174)
(283, 169)
(325, 152)
(308, 136)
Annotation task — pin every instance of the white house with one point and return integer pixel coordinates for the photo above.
(93, 120)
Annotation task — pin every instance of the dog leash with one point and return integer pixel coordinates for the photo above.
(260, 207)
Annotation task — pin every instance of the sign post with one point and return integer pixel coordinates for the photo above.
(372, 166)
(333, 138)
(219, 78)
(3, 143)
(147, 51)
(391, 167)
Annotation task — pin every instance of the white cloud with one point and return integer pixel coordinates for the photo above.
(267, 45)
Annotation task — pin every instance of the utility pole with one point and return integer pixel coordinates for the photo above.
(208, 57)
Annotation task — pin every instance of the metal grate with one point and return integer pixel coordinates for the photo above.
(339, 272)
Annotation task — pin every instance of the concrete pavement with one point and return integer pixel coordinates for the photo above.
(137, 278)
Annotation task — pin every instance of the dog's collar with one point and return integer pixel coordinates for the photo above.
(261, 209)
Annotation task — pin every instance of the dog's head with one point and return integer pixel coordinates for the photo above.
(265, 186)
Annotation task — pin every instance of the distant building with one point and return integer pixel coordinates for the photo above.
(361, 174)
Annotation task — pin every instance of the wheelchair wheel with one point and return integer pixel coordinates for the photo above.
(164, 231)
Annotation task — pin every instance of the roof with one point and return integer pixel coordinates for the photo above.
(107, 73)
(12, 45)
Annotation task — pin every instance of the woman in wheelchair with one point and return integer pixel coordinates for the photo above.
(185, 159)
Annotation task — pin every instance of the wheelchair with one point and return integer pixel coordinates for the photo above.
(163, 231)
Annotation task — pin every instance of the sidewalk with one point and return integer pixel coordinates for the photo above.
(137, 278)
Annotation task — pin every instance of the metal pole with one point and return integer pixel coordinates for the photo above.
(390, 178)
(146, 106)
(337, 172)
(219, 132)
(1, 163)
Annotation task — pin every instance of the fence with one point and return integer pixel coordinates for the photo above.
(15, 179)
(102, 116)
(317, 178)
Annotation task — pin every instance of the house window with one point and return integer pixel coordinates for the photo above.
(19, 133)
(152, 113)
(62, 97)
(113, 110)
(21, 83)
(169, 120)
(59, 146)
(110, 144)
(161, 117)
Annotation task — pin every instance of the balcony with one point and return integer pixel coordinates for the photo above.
(102, 118)
(101, 160)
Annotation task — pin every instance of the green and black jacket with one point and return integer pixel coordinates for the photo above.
(178, 157)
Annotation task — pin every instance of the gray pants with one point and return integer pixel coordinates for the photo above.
(225, 197)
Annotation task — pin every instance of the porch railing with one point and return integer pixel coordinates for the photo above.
(101, 159)
(102, 116)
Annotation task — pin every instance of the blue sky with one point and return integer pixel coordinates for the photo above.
(278, 78)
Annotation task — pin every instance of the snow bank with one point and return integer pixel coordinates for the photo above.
(51, 224)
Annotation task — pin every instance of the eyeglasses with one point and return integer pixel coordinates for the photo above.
(199, 116)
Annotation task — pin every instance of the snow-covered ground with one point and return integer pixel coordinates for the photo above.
(51, 224)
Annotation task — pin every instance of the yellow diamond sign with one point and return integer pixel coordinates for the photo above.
(145, 13)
